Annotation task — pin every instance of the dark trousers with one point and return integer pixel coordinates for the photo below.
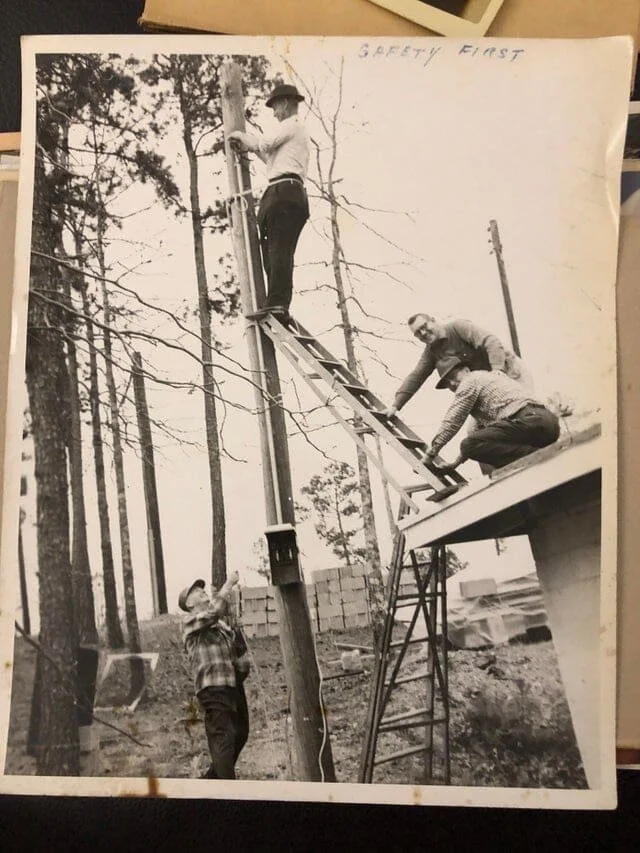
(226, 722)
(504, 441)
(283, 211)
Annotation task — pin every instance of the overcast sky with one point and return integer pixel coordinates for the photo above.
(439, 140)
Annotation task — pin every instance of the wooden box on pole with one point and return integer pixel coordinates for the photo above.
(314, 761)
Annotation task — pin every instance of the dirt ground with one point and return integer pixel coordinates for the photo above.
(509, 726)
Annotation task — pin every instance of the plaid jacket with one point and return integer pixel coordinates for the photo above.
(488, 397)
(209, 645)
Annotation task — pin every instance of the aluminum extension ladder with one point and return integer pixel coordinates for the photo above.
(300, 348)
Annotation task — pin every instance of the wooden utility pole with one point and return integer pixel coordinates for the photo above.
(313, 755)
(497, 247)
(156, 557)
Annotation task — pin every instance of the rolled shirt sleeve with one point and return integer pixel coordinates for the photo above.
(457, 413)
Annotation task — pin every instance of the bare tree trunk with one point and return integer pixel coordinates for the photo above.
(80, 566)
(156, 556)
(24, 594)
(391, 519)
(58, 751)
(218, 526)
(133, 630)
(374, 574)
(115, 637)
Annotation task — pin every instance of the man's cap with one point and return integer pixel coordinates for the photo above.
(184, 595)
(284, 90)
(445, 366)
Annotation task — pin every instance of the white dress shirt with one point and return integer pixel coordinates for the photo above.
(285, 150)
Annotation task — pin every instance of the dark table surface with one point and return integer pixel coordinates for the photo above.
(70, 824)
(52, 17)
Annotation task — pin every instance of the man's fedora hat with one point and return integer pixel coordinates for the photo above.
(184, 595)
(445, 366)
(284, 90)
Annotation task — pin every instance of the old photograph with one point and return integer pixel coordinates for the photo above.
(310, 484)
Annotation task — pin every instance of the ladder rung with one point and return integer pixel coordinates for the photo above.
(355, 388)
(300, 337)
(408, 678)
(402, 753)
(385, 728)
(329, 362)
(406, 715)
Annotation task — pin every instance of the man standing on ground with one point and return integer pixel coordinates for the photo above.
(511, 423)
(284, 207)
(219, 664)
(475, 347)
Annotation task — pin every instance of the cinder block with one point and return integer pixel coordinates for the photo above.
(321, 575)
(337, 622)
(261, 630)
(477, 588)
(249, 630)
(329, 610)
(350, 622)
(349, 596)
(359, 571)
(271, 593)
(252, 592)
(250, 618)
(324, 625)
(334, 587)
(349, 608)
(362, 620)
(358, 583)
(323, 598)
(272, 630)
(346, 572)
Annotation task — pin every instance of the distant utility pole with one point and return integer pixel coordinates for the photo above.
(312, 745)
(497, 248)
(156, 558)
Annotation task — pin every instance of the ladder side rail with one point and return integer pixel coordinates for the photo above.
(344, 422)
(431, 630)
(374, 713)
(393, 423)
(436, 481)
(406, 642)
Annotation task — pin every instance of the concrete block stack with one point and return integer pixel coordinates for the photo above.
(355, 597)
(329, 599)
(254, 610)
(338, 598)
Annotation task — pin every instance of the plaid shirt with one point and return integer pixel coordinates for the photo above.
(209, 645)
(488, 397)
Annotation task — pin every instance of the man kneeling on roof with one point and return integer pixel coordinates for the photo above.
(511, 422)
(218, 657)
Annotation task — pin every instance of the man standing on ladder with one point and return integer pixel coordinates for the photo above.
(284, 207)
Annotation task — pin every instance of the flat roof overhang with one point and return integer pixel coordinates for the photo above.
(508, 502)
